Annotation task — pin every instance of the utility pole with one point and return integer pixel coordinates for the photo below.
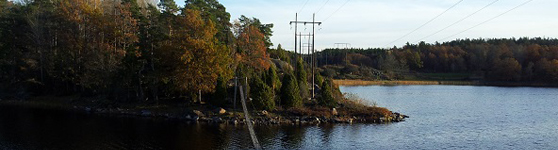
(235, 87)
(296, 26)
(313, 22)
(308, 46)
(300, 46)
(313, 56)
(347, 45)
(341, 44)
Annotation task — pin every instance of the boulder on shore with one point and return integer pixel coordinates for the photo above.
(199, 113)
(264, 113)
(220, 111)
(334, 112)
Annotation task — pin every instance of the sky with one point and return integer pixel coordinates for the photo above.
(388, 23)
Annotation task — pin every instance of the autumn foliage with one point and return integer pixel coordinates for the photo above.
(492, 60)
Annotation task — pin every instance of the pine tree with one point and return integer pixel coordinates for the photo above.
(272, 79)
(290, 95)
(302, 78)
(262, 94)
(326, 97)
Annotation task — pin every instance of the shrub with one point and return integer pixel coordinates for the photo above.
(290, 95)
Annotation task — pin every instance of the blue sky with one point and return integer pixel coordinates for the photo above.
(379, 23)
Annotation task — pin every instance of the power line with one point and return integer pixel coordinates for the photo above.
(488, 20)
(337, 10)
(462, 19)
(322, 7)
(424, 23)
(313, 22)
(303, 6)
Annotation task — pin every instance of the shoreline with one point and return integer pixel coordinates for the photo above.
(346, 82)
(206, 114)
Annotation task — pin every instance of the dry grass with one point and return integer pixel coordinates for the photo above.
(310, 111)
(357, 106)
(400, 82)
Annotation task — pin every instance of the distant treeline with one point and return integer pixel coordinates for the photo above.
(523, 59)
(129, 50)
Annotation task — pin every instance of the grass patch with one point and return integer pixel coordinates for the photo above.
(402, 82)
(310, 111)
(444, 76)
(357, 106)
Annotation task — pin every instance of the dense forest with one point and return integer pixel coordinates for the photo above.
(498, 60)
(139, 51)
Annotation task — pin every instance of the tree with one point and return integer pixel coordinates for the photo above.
(302, 78)
(528, 72)
(301, 71)
(272, 79)
(168, 6)
(553, 70)
(216, 12)
(251, 49)
(262, 94)
(547, 70)
(220, 95)
(507, 69)
(91, 42)
(413, 60)
(319, 79)
(290, 96)
(265, 29)
(326, 96)
(197, 59)
(280, 53)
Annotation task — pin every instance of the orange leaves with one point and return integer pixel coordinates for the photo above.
(198, 59)
(253, 50)
(97, 35)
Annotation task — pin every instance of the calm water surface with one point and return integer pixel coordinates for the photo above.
(442, 117)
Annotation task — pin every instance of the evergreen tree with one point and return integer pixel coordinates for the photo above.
(290, 95)
(302, 79)
(216, 12)
(319, 79)
(262, 94)
(272, 79)
(300, 71)
(326, 96)
(168, 6)
(220, 95)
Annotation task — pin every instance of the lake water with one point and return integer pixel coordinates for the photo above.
(441, 117)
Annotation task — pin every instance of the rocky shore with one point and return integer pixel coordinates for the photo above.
(221, 116)
(348, 112)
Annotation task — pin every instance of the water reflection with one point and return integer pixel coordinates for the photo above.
(442, 117)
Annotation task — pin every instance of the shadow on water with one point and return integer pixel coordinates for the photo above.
(33, 128)
(442, 117)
